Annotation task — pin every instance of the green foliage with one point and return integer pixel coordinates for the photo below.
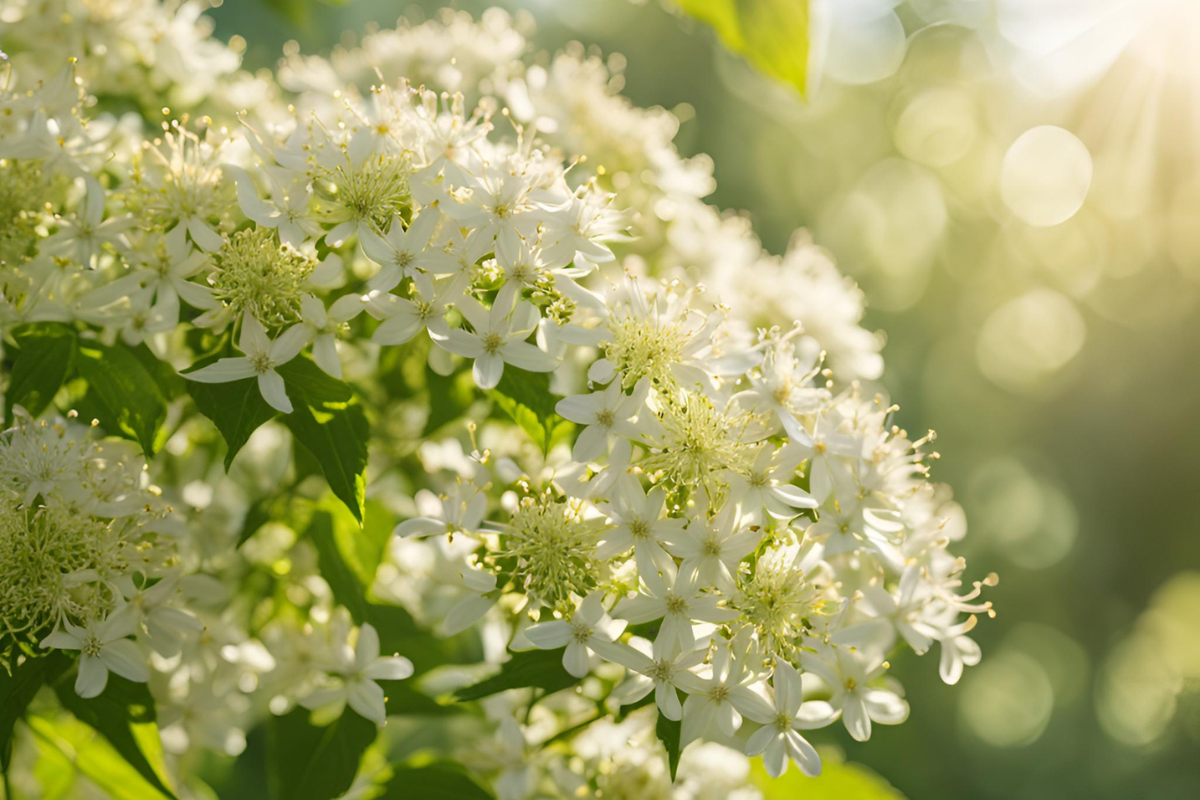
(308, 762)
(525, 397)
(74, 745)
(443, 781)
(541, 669)
(670, 732)
(236, 408)
(773, 35)
(122, 393)
(838, 781)
(124, 715)
(16, 692)
(348, 558)
(45, 357)
(328, 420)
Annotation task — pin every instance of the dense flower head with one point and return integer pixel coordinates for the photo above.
(681, 479)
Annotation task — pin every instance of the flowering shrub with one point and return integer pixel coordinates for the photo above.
(297, 313)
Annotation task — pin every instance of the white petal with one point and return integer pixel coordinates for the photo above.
(465, 614)
(804, 754)
(760, 740)
(420, 526)
(575, 659)
(325, 354)
(854, 715)
(398, 329)
(289, 344)
(204, 236)
(392, 668)
(775, 757)
(93, 677)
(885, 707)
(366, 649)
(223, 371)
(367, 698)
(591, 444)
(270, 383)
(124, 658)
(488, 370)
(667, 698)
(549, 635)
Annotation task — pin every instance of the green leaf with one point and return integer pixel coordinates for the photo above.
(123, 714)
(347, 589)
(45, 357)
(526, 398)
(838, 781)
(329, 421)
(126, 397)
(669, 733)
(444, 782)
(17, 691)
(307, 762)
(450, 396)
(93, 757)
(541, 669)
(773, 35)
(236, 408)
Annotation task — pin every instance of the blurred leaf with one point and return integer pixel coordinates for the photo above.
(449, 398)
(773, 35)
(444, 782)
(347, 589)
(123, 394)
(94, 758)
(669, 732)
(306, 762)
(17, 691)
(541, 669)
(44, 359)
(329, 421)
(123, 714)
(526, 398)
(838, 781)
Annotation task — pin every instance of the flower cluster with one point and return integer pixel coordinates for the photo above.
(647, 479)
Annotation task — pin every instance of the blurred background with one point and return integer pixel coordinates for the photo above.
(1015, 184)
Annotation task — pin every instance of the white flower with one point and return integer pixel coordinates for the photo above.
(588, 624)
(261, 359)
(605, 414)
(850, 676)
(357, 685)
(498, 338)
(287, 208)
(768, 485)
(778, 739)
(481, 586)
(727, 694)
(405, 252)
(322, 326)
(462, 510)
(161, 626)
(84, 234)
(103, 646)
(662, 669)
(403, 318)
(677, 605)
(639, 523)
(712, 549)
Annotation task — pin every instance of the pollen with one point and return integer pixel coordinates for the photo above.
(255, 273)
